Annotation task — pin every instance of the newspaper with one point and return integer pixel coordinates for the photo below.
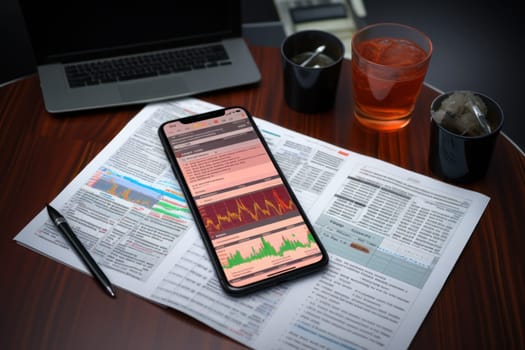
(393, 237)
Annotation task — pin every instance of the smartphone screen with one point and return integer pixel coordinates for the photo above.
(245, 210)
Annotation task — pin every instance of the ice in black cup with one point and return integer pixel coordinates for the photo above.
(460, 146)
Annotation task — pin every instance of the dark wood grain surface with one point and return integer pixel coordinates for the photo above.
(46, 305)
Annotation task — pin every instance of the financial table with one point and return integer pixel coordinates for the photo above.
(44, 304)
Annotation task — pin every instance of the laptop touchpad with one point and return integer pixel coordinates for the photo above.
(152, 89)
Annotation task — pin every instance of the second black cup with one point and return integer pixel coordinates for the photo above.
(311, 87)
(459, 158)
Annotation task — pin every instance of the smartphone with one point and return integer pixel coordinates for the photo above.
(254, 228)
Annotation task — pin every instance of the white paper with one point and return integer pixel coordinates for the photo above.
(393, 237)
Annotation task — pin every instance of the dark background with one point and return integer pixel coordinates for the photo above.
(477, 45)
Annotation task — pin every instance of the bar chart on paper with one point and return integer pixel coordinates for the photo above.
(167, 199)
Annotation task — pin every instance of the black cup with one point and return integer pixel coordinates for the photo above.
(311, 89)
(458, 158)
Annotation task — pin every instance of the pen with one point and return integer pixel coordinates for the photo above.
(63, 226)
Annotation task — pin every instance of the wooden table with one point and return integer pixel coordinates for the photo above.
(44, 304)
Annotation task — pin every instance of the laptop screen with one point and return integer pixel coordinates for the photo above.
(62, 31)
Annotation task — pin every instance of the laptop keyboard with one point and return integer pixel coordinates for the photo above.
(145, 66)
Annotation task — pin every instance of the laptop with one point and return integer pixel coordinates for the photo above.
(103, 53)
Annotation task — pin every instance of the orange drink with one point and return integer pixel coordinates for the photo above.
(389, 64)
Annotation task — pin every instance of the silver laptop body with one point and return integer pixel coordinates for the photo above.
(83, 53)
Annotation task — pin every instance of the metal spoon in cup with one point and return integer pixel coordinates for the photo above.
(314, 55)
(482, 119)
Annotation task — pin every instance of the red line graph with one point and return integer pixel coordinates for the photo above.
(245, 209)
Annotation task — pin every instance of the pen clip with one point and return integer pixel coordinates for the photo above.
(60, 220)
